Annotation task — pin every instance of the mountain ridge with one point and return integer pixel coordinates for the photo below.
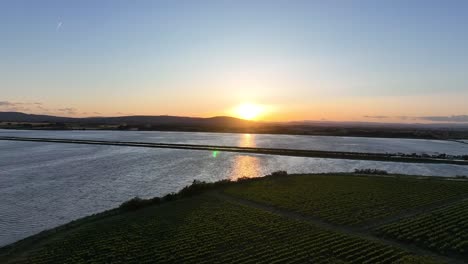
(130, 120)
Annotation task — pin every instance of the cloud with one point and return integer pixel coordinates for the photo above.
(59, 25)
(6, 103)
(68, 110)
(377, 117)
(453, 118)
(36, 108)
(123, 114)
(13, 106)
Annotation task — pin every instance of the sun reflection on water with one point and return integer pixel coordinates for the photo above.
(245, 166)
(247, 140)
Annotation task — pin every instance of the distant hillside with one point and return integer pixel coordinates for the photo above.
(129, 120)
(16, 120)
(22, 117)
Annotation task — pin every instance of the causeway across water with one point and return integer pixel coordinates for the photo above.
(268, 151)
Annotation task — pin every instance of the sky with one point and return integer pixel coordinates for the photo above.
(382, 61)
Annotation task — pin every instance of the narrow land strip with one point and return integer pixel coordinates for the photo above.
(268, 151)
(460, 141)
(362, 233)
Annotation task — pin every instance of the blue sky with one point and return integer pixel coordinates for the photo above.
(334, 60)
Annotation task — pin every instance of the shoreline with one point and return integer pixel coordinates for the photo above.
(190, 193)
(172, 196)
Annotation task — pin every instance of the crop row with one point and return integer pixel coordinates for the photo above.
(347, 200)
(207, 230)
(444, 230)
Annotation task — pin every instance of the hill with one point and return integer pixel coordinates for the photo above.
(22, 117)
(16, 120)
(324, 218)
(133, 120)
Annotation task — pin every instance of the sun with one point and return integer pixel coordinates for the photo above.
(249, 111)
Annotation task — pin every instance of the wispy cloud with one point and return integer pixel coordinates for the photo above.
(59, 26)
(450, 119)
(14, 106)
(68, 110)
(6, 103)
(453, 118)
(36, 108)
(377, 117)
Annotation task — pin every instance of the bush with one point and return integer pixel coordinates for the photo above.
(155, 200)
(279, 173)
(241, 179)
(195, 188)
(134, 204)
(371, 171)
(169, 197)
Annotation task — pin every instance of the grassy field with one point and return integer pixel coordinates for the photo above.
(286, 219)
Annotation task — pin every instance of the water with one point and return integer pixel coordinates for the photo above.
(43, 185)
(353, 144)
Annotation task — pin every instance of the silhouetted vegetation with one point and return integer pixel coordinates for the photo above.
(134, 204)
(279, 173)
(197, 187)
(371, 171)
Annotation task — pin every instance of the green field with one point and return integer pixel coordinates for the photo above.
(444, 230)
(348, 200)
(287, 219)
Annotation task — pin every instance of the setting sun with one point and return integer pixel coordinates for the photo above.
(249, 111)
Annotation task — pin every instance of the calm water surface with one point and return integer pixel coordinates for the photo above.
(354, 144)
(43, 185)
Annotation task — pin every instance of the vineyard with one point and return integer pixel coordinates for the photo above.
(260, 221)
(444, 230)
(208, 230)
(346, 200)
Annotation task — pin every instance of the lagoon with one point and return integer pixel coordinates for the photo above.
(43, 185)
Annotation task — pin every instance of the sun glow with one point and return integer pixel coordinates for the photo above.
(249, 111)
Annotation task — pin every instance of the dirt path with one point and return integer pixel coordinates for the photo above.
(362, 233)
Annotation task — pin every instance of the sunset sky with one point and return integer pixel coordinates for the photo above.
(383, 61)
